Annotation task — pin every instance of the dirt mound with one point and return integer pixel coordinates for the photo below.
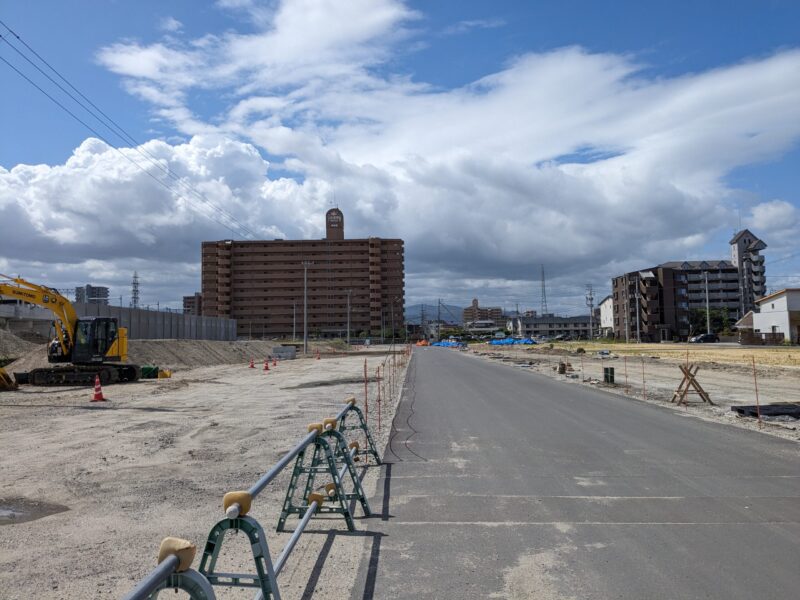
(12, 346)
(187, 354)
(169, 354)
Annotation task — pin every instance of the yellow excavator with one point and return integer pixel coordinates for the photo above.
(93, 346)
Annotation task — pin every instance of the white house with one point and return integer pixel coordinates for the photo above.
(779, 313)
(550, 325)
(607, 317)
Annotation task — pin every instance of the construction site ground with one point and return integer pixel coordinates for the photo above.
(650, 372)
(88, 490)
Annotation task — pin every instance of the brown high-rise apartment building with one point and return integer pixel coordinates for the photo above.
(261, 284)
(666, 294)
(475, 313)
(651, 305)
(193, 305)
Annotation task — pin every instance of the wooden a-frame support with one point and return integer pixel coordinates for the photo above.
(690, 381)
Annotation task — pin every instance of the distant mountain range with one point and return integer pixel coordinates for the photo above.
(449, 313)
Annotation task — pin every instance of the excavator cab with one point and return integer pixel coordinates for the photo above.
(95, 340)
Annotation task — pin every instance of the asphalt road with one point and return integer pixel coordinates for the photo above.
(505, 484)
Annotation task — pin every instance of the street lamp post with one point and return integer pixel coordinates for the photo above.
(306, 264)
(348, 316)
(708, 311)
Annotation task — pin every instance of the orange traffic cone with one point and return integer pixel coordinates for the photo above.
(266, 365)
(98, 391)
(252, 364)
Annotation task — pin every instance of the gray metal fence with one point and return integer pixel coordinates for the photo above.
(146, 324)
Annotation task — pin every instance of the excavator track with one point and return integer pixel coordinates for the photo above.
(83, 375)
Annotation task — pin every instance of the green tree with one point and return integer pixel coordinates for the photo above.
(720, 320)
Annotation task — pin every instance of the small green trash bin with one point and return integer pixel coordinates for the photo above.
(149, 372)
(608, 374)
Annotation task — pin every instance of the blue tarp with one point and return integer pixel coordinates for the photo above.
(511, 342)
(448, 344)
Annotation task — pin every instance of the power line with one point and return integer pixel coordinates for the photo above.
(99, 135)
(117, 130)
(772, 262)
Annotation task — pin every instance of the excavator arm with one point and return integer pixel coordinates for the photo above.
(65, 316)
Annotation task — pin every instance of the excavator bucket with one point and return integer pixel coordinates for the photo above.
(7, 383)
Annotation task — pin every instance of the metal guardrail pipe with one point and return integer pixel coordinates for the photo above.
(153, 579)
(343, 411)
(258, 486)
(287, 550)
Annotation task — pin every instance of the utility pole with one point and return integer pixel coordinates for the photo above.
(590, 304)
(294, 321)
(544, 294)
(438, 319)
(708, 311)
(422, 321)
(348, 316)
(306, 264)
(392, 309)
(638, 314)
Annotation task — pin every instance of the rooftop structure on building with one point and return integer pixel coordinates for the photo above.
(261, 284)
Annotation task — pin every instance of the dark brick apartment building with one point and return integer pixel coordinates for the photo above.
(260, 284)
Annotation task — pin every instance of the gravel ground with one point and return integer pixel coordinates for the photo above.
(104, 483)
(655, 379)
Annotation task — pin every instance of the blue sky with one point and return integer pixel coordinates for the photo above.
(348, 117)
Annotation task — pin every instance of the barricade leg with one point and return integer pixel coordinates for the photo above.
(340, 496)
(323, 461)
(360, 426)
(263, 579)
(343, 454)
